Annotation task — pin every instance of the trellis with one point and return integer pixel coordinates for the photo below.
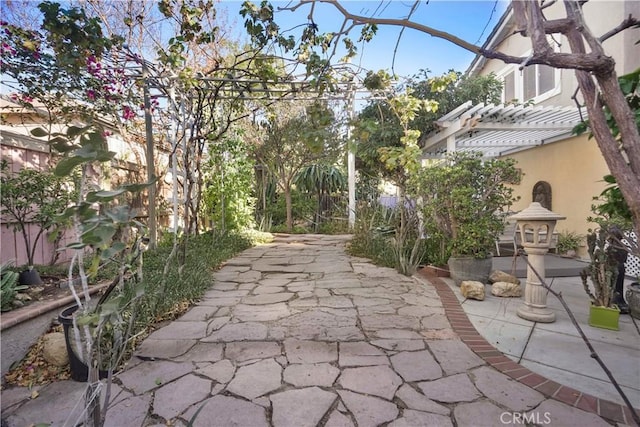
(234, 89)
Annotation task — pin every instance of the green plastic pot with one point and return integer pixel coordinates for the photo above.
(604, 317)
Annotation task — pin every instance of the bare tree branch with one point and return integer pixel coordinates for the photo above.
(629, 22)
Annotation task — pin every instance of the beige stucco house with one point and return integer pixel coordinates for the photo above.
(563, 170)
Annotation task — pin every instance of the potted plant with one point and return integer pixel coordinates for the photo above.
(613, 213)
(603, 272)
(462, 198)
(633, 299)
(568, 243)
(104, 232)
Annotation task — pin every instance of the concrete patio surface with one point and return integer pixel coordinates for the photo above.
(298, 333)
(556, 350)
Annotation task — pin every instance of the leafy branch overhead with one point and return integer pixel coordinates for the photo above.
(594, 68)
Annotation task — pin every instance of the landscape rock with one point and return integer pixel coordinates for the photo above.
(501, 276)
(54, 349)
(506, 289)
(472, 289)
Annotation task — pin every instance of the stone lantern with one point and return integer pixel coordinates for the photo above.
(535, 225)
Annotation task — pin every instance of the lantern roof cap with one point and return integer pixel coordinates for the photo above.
(536, 212)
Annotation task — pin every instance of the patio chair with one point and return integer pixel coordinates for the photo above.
(509, 236)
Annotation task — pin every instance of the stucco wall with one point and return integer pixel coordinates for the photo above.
(574, 168)
(601, 16)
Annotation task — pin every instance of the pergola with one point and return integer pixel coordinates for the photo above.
(499, 130)
(347, 91)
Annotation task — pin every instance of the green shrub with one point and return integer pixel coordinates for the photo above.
(302, 208)
(436, 250)
(297, 229)
(462, 197)
(182, 285)
(372, 235)
(568, 241)
(8, 287)
(334, 226)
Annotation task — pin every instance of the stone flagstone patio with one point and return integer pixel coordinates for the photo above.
(297, 333)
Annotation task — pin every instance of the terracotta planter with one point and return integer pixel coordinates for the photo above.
(604, 317)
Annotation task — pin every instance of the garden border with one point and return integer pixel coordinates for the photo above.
(463, 327)
(23, 326)
(16, 316)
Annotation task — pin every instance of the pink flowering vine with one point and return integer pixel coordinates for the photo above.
(127, 113)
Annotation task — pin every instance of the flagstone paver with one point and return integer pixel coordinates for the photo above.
(184, 330)
(145, 377)
(362, 380)
(367, 410)
(416, 366)
(221, 371)
(411, 418)
(302, 407)
(297, 333)
(248, 350)
(225, 411)
(481, 413)
(361, 353)
(320, 374)
(172, 399)
(504, 390)
(451, 389)
(418, 401)
(255, 380)
(454, 356)
(164, 349)
(337, 419)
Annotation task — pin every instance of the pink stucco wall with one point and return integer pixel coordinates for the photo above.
(12, 246)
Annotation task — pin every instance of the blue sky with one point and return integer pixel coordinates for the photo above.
(471, 20)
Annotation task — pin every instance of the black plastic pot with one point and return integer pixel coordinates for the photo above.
(79, 370)
(30, 277)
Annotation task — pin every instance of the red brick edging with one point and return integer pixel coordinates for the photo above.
(461, 324)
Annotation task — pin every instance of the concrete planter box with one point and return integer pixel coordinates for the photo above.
(469, 268)
(22, 327)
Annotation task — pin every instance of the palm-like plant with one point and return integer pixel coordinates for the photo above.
(323, 180)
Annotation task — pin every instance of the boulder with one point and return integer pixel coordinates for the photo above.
(472, 289)
(501, 276)
(54, 349)
(506, 289)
